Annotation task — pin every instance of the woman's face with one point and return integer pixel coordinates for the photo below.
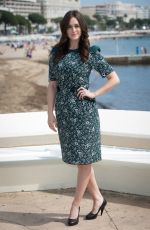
(73, 29)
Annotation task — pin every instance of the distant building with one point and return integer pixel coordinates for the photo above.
(125, 10)
(21, 7)
(48, 8)
(104, 10)
(142, 12)
(6, 9)
(57, 8)
(88, 10)
(118, 9)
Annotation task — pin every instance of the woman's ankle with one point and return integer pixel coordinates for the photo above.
(98, 199)
(75, 204)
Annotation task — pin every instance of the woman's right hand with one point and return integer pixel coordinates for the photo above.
(52, 123)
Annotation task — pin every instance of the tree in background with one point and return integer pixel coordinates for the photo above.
(56, 21)
(111, 24)
(91, 23)
(37, 19)
(139, 23)
(101, 21)
(22, 23)
(8, 19)
(29, 26)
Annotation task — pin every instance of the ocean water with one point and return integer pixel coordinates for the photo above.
(133, 92)
(122, 46)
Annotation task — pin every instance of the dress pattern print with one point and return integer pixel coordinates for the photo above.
(77, 119)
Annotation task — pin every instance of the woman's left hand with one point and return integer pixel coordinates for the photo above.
(83, 92)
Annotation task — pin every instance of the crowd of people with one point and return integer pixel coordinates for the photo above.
(29, 46)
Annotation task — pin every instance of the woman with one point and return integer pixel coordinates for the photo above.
(77, 119)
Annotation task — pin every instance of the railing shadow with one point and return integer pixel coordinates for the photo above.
(32, 219)
(112, 197)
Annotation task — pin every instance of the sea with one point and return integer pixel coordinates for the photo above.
(133, 92)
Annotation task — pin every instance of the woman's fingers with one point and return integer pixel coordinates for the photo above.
(82, 92)
(52, 125)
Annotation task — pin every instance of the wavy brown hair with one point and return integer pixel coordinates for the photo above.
(62, 47)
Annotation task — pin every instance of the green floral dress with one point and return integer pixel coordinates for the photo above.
(77, 119)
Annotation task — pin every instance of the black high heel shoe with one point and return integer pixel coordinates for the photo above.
(75, 221)
(92, 216)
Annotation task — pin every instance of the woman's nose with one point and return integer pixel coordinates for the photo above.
(73, 28)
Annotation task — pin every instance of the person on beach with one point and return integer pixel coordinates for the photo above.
(76, 116)
(143, 50)
(137, 50)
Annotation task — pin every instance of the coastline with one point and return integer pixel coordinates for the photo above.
(118, 34)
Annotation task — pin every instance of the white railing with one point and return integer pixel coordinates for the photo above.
(30, 153)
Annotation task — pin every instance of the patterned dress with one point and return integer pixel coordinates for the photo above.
(77, 119)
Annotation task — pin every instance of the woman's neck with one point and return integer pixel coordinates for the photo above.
(74, 45)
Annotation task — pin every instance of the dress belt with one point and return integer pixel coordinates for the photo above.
(74, 90)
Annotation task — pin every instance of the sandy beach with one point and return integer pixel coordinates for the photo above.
(23, 81)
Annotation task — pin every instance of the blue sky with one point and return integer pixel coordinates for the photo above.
(96, 2)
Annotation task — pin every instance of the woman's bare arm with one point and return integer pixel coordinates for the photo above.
(51, 93)
(113, 80)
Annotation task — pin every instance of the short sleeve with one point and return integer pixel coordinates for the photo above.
(99, 63)
(51, 72)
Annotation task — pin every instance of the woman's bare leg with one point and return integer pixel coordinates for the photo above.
(95, 192)
(84, 174)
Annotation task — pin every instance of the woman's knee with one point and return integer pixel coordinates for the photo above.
(85, 167)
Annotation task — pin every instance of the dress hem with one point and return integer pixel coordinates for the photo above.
(79, 163)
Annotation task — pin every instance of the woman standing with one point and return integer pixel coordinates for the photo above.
(70, 64)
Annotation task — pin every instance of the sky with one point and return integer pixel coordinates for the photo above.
(96, 2)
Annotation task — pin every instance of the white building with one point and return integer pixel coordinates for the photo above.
(104, 10)
(53, 9)
(21, 7)
(142, 12)
(125, 10)
(48, 8)
(88, 10)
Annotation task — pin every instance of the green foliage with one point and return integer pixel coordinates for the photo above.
(37, 19)
(21, 20)
(22, 23)
(50, 29)
(8, 19)
(106, 23)
(138, 23)
(97, 17)
(131, 23)
(29, 26)
(111, 23)
(90, 22)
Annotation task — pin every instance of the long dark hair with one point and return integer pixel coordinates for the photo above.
(62, 47)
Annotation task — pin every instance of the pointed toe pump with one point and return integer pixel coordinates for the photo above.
(75, 221)
(92, 216)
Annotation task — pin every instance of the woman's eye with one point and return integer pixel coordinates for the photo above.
(76, 26)
(70, 27)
